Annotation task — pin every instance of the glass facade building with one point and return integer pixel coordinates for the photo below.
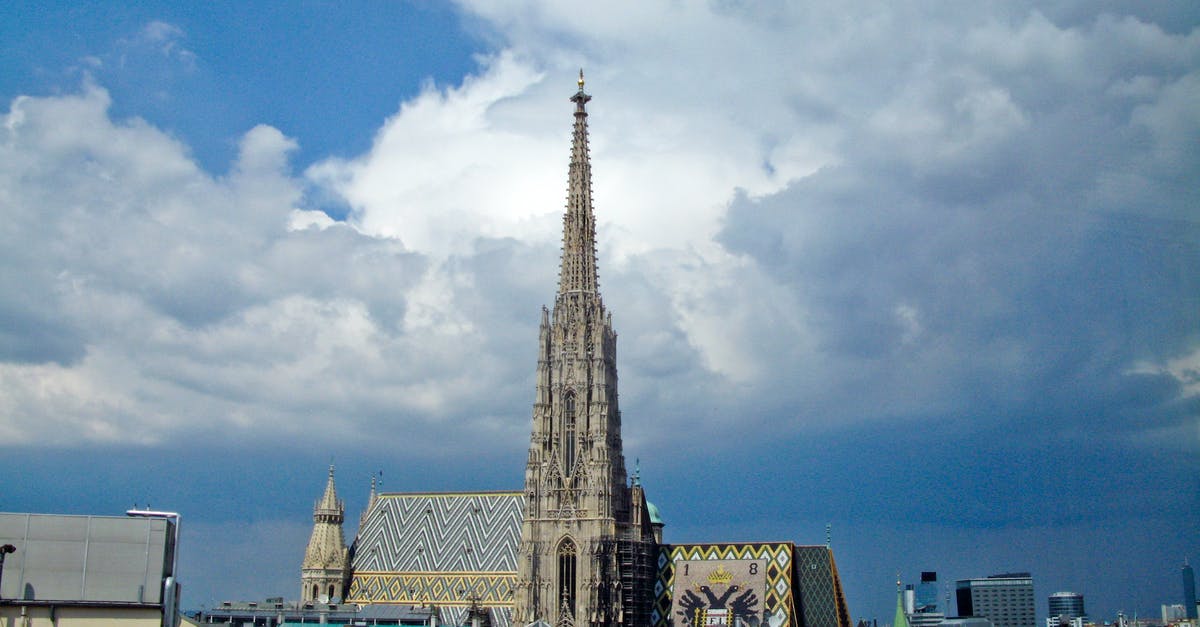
(1189, 591)
(927, 593)
(1067, 605)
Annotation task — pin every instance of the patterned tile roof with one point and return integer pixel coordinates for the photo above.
(822, 603)
(796, 586)
(449, 549)
(455, 550)
(441, 532)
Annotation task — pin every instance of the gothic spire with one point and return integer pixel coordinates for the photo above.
(329, 503)
(326, 560)
(578, 271)
(579, 505)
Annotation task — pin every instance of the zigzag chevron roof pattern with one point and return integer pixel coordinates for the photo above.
(451, 550)
(445, 532)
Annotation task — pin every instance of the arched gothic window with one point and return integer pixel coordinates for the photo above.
(569, 433)
(331, 597)
(566, 575)
(314, 594)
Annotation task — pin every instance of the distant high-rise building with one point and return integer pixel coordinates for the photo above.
(924, 608)
(927, 593)
(1172, 614)
(1067, 605)
(1189, 591)
(1006, 599)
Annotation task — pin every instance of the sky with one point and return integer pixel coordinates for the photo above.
(927, 273)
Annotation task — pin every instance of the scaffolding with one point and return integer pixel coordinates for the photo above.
(636, 559)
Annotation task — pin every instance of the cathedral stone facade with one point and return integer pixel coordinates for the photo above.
(580, 538)
(580, 544)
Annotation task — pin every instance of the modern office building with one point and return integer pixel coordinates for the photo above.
(69, 571)
(924, 611)
(927, 593)
(1174, 613)
(1189, 591)
(1006, 599)
(1066, 606)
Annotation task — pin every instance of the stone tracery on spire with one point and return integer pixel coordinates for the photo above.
(575, 479)
(577, 273)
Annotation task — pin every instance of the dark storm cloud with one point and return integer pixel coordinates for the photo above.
(1021, 244)
(1022, 305)
(32, 332)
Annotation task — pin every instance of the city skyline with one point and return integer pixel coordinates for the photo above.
(935, 271)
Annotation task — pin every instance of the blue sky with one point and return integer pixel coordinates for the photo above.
(929, 274)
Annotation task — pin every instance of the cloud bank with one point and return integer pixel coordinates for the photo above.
(841, 222)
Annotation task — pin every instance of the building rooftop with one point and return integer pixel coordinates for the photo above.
(86, 559)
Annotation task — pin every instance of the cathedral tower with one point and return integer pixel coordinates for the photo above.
(327, 560)
(586, 541)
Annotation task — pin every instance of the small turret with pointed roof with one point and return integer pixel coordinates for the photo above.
(327, 560)
(371, 499)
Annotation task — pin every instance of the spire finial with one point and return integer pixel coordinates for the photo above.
(580, 98)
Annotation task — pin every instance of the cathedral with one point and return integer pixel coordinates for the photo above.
(579, 544)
